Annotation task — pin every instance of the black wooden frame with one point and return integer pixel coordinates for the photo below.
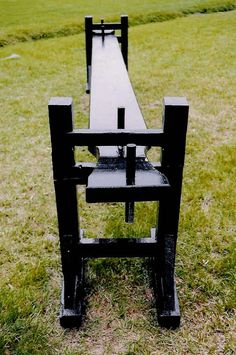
(161, 244)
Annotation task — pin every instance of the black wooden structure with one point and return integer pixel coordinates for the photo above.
(118, 137)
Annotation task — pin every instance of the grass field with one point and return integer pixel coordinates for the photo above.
(194, 57)
(24, 20)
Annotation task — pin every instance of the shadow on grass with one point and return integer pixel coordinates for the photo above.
(119, 288)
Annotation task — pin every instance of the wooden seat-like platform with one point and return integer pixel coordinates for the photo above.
(107, 182)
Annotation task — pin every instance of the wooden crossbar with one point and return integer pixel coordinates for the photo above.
(118, 247)
(115, 137)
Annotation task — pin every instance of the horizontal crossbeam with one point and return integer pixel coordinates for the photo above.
(110, 247)
(115, 137)
(107, 26)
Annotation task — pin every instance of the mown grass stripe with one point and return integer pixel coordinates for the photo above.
(25, 34)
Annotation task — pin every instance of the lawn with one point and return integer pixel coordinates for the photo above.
(192, 56)
(24, 20)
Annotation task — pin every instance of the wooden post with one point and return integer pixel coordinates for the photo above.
(175, 121)
(124, 38)
(130, 164)
(121, 117)
(130, 180)
(88, 43)
(121, 125)
(61, 122)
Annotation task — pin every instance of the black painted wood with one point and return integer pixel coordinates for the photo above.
(129, 212)
(114, 137)
(119, 175)
(88, 42)
(130, 164)
(175, 119)
(124, 38)
(130, 179)
(118, 247)
(108, 183)
(121, 118)
(61, 121)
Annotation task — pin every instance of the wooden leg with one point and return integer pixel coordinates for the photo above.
(166, 294)
(72, 265)
(175, 120)
(164, 264)
(72, 307)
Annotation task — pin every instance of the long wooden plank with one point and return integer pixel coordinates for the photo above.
(110, 89)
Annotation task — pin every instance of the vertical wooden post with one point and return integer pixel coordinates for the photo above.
(175, 121)
(88, 44)
(121, 117)
(124, 38)
(61, 122)
(130, 180)
(103, 30)
(121, 125)
(130, 164)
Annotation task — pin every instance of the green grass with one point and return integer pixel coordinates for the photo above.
(194, 57)
(26, 20)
